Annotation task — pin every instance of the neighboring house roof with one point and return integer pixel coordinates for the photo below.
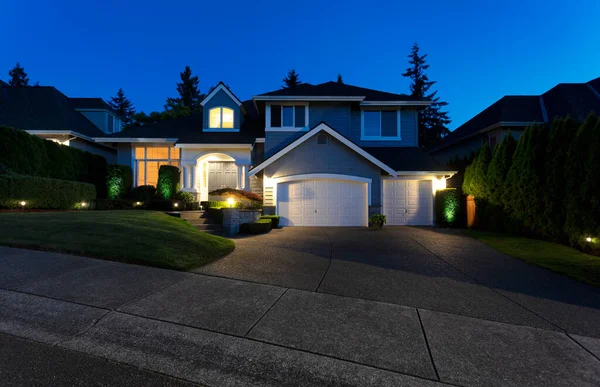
(42, 108)
(334, 89)
(2, 83)
(574, 99)
(188, 130)
(91, 103)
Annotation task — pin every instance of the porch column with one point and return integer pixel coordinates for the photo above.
(239, 177)
(192, 180)
(245, 178)
(185, 176)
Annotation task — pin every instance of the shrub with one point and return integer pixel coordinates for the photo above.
(498, 169)
(118, 181)
(30, 155)
(43, 192)
(274, 220)
(476, 174)
(258, 227)
(216, 214)
(158, 204)
(143, 193)
(114, 204)
(187, 200)
(237, 194)
(168, 181)
(219, 204)
(448, 206)
(378, 219)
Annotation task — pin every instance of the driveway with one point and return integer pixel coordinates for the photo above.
(429, 268)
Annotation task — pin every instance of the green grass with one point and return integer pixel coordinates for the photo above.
(141, 237)
(556, 257)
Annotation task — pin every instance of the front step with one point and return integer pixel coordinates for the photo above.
(207, 227)
(203, 220)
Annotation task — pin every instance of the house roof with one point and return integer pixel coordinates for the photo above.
(91, 103)
(574, 99)
(334, 89)
(2, 83)
(188, 130)
(42, 108)
(221, 86)
(406, 159)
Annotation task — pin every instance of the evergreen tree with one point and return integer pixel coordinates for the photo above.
(189, 94)
(575, 172)
(433, 121)
(591, 194)
(478, 173)
(123, 106)
(339, 79)
(18, 76)
(291, 80)
(498, 169)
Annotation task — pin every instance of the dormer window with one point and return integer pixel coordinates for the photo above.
(220, 118)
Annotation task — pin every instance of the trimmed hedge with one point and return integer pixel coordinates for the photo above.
(43, 192)
(168, 181)
(216, 214)
(274, 220)
(261, 226)
(237, 194)
(143, 193)
(448, 206)
(118, 181)
(115, 204)
(30, 155)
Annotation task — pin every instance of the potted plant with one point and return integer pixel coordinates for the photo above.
(377, 221)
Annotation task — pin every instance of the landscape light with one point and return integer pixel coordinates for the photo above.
(138, 203)
(230, 202)
(23, 204)
(83, 204)
(588, 239)
(175, 204)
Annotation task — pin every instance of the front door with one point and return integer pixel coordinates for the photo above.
(221, 174)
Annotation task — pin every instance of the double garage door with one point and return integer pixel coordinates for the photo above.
(323, 202)
(408, 202)
(331, 202)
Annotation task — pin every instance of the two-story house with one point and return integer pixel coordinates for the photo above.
(45, 112)
(321, 155)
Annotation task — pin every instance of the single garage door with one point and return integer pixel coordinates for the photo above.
(322, 202)
(408, 202)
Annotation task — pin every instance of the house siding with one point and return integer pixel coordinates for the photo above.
(221, 99)
(110, 155)
(124, 155)
(334, 158)
(276, 141)
(408, 129)
(335, 115)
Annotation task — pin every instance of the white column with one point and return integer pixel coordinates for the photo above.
(245, 178)
(192, 180)
(239, 177)
(185, 176)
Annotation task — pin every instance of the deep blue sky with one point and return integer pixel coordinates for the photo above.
(478, 50)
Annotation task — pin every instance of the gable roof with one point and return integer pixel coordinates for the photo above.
(574, 99)
(221, 86)
(340, 90)
(322, 127)
(42, 108)
(188, 130)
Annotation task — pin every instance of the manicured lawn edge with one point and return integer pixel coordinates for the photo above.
(139, 237)
(553, 256)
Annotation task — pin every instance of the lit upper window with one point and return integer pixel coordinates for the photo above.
(220, 118)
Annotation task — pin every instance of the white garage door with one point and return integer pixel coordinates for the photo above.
(408, 202)
(322, 202)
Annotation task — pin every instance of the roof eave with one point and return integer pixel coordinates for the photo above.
(133, 139)
(308, 98)
(396, 103)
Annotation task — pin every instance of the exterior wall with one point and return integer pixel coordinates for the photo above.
(109, 154)
(98, 118)
(346, 120)
(221, 99)
(258, 153)
(334, 158)
(234, 217)
(124, 155)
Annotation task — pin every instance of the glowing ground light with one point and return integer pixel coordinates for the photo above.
(588, 239)
(230, 202)
(83, 204)
(23, 203)
(138, 203)
(175, 204)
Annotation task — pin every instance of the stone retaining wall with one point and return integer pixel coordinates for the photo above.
(234, 217)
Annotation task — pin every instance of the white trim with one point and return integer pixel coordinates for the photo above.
(215, 146)
(396, 103)
(221, 86)
(333, 133)
(260, 140)
(293, 128)
(324, 176)
(133, 139)
(423, 173)
(380, 138)
(306, 98)
(217, 130)
(65, 133)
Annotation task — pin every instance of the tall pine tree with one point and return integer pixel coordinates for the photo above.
(339, 79)
(18, 76)
(433, 121)
(189, 94)
(123, 106)
(291, 80)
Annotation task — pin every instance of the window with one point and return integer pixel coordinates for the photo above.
(288, 116)
(381, 125)
(148, 161)
(220, 118)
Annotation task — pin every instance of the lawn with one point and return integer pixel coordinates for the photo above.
(142, 237)
(553, 256)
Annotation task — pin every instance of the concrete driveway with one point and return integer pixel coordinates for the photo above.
(434, 269)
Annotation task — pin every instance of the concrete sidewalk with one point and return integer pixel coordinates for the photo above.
(217, 331)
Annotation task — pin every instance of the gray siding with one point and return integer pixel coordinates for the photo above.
(222, 99)
(335, 115)
(109, 154)
(334, 157)
(124, 156)
(275, 141)
(408, 129)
